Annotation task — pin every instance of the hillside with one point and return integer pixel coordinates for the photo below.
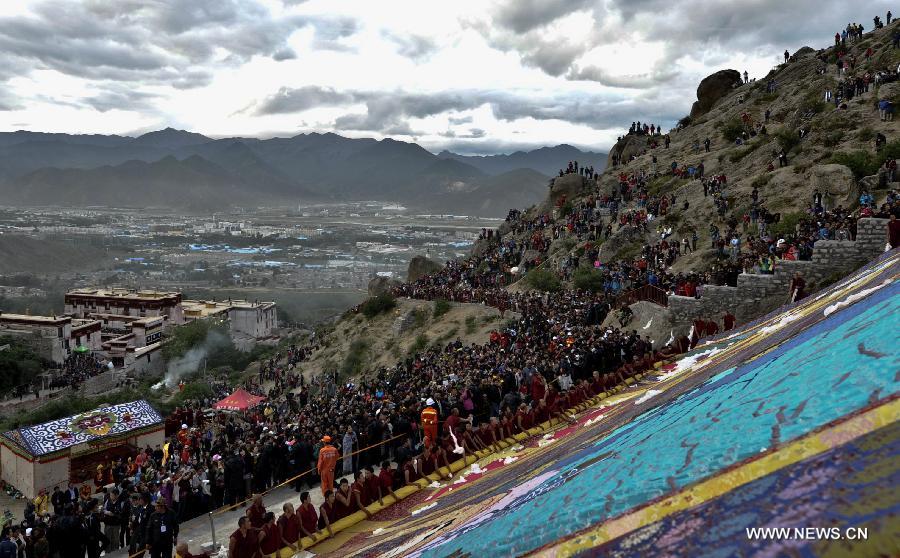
(25, 254)
(359, 344)
(835, 155)
(136, 184)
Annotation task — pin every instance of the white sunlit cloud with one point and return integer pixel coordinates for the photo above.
(540, 73)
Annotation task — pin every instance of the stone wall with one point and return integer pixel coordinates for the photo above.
(756, 295)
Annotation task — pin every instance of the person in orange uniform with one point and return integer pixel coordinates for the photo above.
(430, 422)
(328, 457)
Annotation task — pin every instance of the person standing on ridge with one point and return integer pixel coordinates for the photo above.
(328, 457)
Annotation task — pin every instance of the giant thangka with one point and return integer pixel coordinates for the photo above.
(105, 422)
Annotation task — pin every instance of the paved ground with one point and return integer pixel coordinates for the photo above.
(198, 532)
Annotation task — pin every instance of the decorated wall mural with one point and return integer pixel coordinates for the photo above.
(64, 433)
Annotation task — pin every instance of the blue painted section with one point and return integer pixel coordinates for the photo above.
(831, 369)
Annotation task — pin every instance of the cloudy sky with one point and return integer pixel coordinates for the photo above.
(475, 76)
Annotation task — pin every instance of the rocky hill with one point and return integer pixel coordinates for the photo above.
(828, 148)
(356, 343)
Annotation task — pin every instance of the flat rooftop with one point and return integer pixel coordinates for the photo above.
(204, 308)
(27, 318)
(123, 294)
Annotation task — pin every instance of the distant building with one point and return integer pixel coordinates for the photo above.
(52, 337)
(248, 322)
(138, 350)
(90, 303)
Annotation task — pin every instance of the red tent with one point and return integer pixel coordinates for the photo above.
(240, 400)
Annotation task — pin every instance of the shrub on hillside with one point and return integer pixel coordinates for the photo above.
(766, 99)
(354, 362)
(813, 103)
(419, 345)
(586, 279)
(861, 163)
(378, 305)
(833, 139)
(742, 152)
(543, 280)
(787, 224)
(441, 307)
(732, 129)
(787, 139)
(866, 133)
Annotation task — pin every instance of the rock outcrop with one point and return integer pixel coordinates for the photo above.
(381, 285)
(712, 88)
(569, 186)
(421, 266)
(630, 144)
(837, 184)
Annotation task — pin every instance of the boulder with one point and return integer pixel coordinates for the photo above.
(630, 144)
(421, 266)
(380, 285)
(834, 181)
(889, 91)
(802, 52)
(569, 186)
(712, 88)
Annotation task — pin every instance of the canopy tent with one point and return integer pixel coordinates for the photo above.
(240, 400)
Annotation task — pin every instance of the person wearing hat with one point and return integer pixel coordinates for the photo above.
(328, 456)
(430, 422)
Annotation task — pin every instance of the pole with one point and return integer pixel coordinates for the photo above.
(212, 529)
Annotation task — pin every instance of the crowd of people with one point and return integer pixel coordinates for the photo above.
(76, 369)
(394, 425)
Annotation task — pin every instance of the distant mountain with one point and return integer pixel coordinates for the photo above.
(22, 136)
(194, 184)
(494, 196)
(181, 169)
(546, 160)
(170, 138)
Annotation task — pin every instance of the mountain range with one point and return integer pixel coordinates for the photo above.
(189, 171)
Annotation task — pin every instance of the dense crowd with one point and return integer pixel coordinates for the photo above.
(397, 424)
(76, 369)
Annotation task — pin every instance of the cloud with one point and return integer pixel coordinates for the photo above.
(117, 98)
(288, 100)
(330, 31)
(521, 16)
(390, 110)
(636, 81)
(285, 53)
(415, 47)
(695, 29)
(175, 43)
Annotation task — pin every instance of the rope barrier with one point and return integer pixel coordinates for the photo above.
(226, 509)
